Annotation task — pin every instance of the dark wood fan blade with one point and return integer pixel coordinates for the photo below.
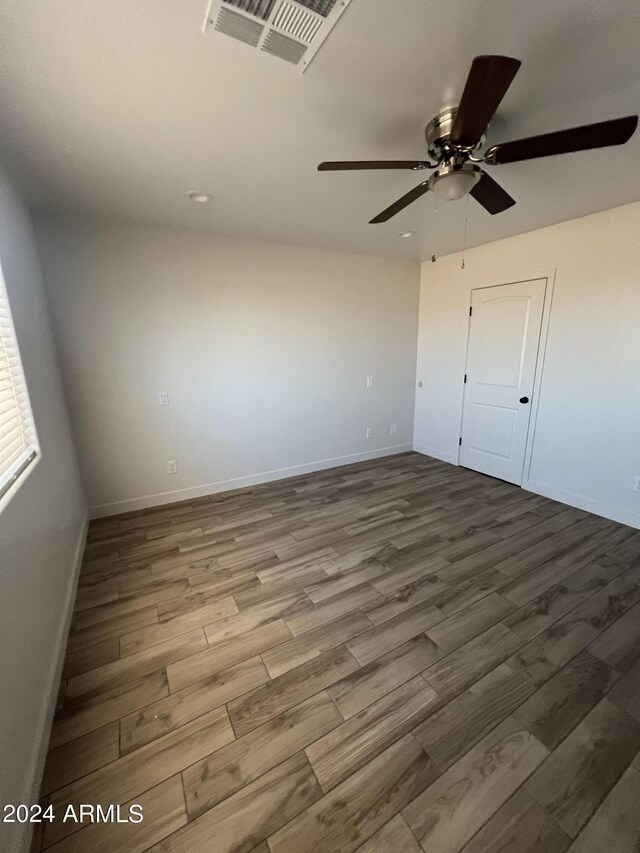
(487, 83)
(401, 203)
(491, 196)
(599, 135)
(344, 165)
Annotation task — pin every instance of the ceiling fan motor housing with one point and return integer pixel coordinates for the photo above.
(438, 133)
(456, 175)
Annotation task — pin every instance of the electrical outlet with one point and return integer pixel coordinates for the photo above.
(636, 484)
(172, 466)
(369, 381)
(369, 432)
(394, 429)
(164, 398)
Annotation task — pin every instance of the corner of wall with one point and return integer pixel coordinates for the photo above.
(442, 455)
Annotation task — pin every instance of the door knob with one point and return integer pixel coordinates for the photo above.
(524, 399)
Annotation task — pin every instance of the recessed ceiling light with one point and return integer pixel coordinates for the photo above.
(199, 198)
(406, 234)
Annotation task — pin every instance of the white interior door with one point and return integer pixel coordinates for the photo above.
(504, 334)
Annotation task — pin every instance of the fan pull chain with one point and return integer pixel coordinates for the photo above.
(435, 223)
(464, 244)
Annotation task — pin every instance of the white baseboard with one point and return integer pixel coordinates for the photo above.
(580, 502)
(442, 455)
(129, 505)
(41, 742)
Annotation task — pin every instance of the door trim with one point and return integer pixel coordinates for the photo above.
(550, 276)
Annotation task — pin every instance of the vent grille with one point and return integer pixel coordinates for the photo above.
(292, 19)
(292, 30)
(322, 7)
(239, 27)
(259, 8)
(284, 47)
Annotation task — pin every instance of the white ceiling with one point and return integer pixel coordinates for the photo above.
(121, 107)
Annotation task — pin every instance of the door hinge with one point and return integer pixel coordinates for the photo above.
(465, 377)
(470, 310)
(460, 440)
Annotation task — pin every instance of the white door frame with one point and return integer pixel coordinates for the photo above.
(550, 276)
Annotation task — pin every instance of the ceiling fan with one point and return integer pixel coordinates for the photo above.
(455, 136)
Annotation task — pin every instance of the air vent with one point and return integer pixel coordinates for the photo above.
(322, 7)
(238, 27)
(259, 8)
(290, 18)
(292, 30)
(284, 47)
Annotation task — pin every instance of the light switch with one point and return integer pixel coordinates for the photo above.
(369, 381)
(164, 398)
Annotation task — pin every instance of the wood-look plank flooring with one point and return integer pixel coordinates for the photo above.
(397, 655)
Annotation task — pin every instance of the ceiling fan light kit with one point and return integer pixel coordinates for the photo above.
(455, 137)
(454, 180)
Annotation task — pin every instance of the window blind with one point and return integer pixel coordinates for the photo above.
(18, 442)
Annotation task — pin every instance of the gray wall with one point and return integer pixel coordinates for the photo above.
(42, 529)
(264, 350)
